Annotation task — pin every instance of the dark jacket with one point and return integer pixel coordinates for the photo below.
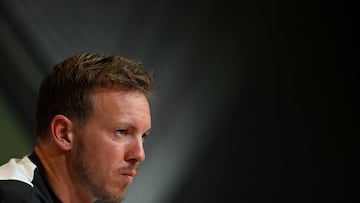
(24, 180)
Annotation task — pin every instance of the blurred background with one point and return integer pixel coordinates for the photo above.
(255, 100)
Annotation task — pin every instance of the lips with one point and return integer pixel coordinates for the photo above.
(129, 173)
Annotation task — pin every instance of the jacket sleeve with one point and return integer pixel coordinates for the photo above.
(12, 191)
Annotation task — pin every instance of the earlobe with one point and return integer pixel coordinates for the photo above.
(62, 132)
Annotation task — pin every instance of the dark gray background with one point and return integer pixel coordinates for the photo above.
(255, 99)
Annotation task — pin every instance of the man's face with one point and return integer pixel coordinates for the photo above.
(109, 148)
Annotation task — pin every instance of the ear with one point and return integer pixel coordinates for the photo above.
(62, 132)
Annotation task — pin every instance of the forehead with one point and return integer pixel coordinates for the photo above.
(117, 109)
(118, 100)
(113, 107)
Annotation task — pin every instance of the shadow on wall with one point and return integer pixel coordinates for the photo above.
(13, 140)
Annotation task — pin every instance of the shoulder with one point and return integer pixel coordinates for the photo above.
(18, 169)
(16, 180)
(13, 191)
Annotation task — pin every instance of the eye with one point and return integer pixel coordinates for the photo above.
(121, 132)
(145, 135)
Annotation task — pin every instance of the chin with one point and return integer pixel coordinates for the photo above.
(116, 194)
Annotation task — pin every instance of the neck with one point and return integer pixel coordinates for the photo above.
(56, 166)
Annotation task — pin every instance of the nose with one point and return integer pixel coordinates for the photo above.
(135, 152)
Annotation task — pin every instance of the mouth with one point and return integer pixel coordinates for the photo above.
(128, 175)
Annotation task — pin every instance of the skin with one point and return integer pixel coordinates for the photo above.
(100, 159)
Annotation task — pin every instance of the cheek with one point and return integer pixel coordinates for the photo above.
(108, 156)
(106, 152)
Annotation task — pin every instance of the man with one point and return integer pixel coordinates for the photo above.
(92, 116)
